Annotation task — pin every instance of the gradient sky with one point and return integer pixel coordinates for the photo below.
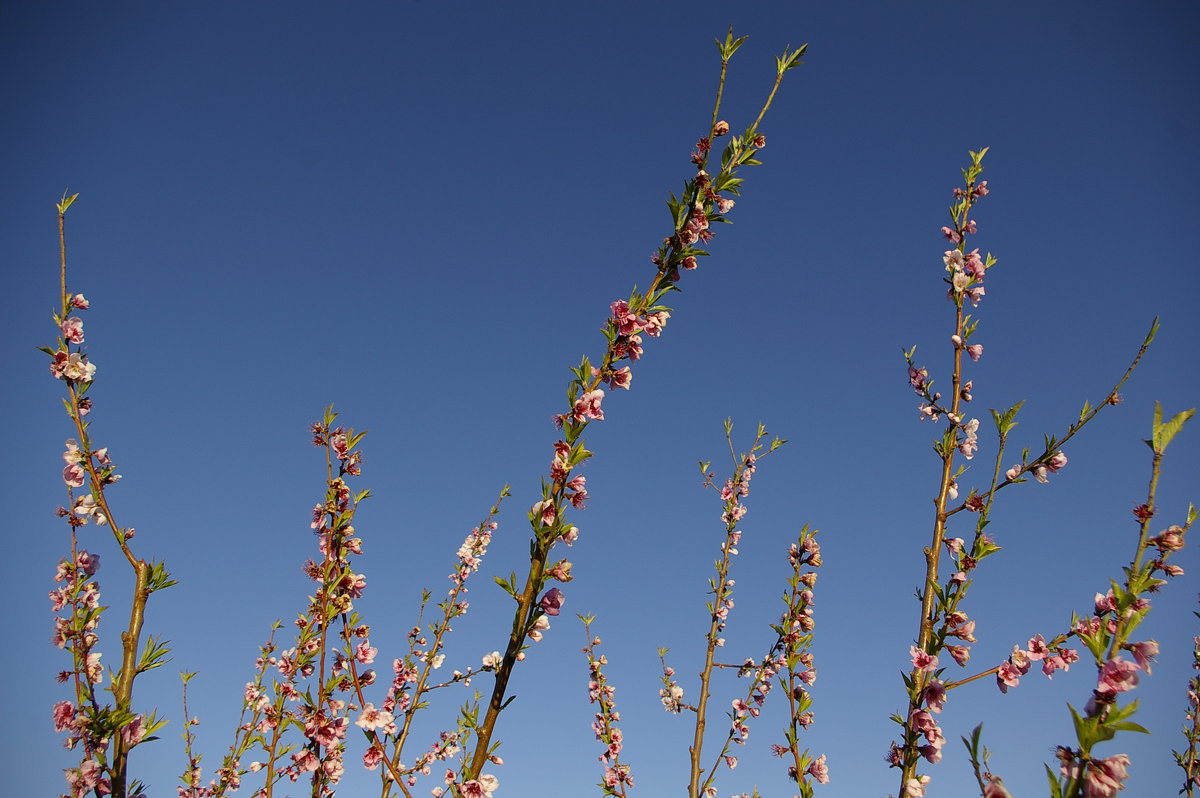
(421, 210)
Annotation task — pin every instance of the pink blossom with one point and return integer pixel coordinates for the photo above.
(1054, 662)
(975, 351)
(923, 660)
(1169, 570)
(1008, 676)
(1145, 653)
(819, 770)
(364, 653)
(481, 787)
(970, 443)
(72, 366)
(1117, 676)
(79, 301)
(721, 128)
(917, 378)
(627, 323)
(1037, 648)
(973, 265)
(1020, 660)
(340, 445)
(1170, 540)
(552, 601)
(95, 670)
(72, 454)
(915, 788)
(619, 378)
(579, 491)
(960, 653)
(588, 406)
(960, 281)
(935, 696)
(72, 329)
(952, 235)
(372, 758)
(962, 627)
(921, 721)
(656, 323)
(372, 719)
(64, 716)
(1056, 461)
(133, 732)
(1013, 472)
(306, 760)
(74, 475)
(544, 512)
(1105, 777)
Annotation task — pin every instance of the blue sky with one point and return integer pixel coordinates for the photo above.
(421, 211)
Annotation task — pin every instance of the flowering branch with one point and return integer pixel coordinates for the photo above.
(941, 617)
(413, 674)
(1188, 759)
(617, 775)
(966, 272)
(1106, 635)
(736, 488)
(795, 631)
(705, 200)
(108, 733)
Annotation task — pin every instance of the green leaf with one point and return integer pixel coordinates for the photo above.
(1055, 787)
(1085, 729)
(1153, 332)
(1164, 432)
(66, 202)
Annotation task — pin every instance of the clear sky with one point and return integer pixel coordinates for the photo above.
(421, 211)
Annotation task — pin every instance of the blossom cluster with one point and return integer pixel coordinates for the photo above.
(88, 728)
(617, 775)
(322, 710)
(1107, 635)
(1058, 658)
(1188, 759)
(65, 364)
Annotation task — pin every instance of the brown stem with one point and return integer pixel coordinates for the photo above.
(1112, 397)
(516, 639)
(710, 648)
(918, 676)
